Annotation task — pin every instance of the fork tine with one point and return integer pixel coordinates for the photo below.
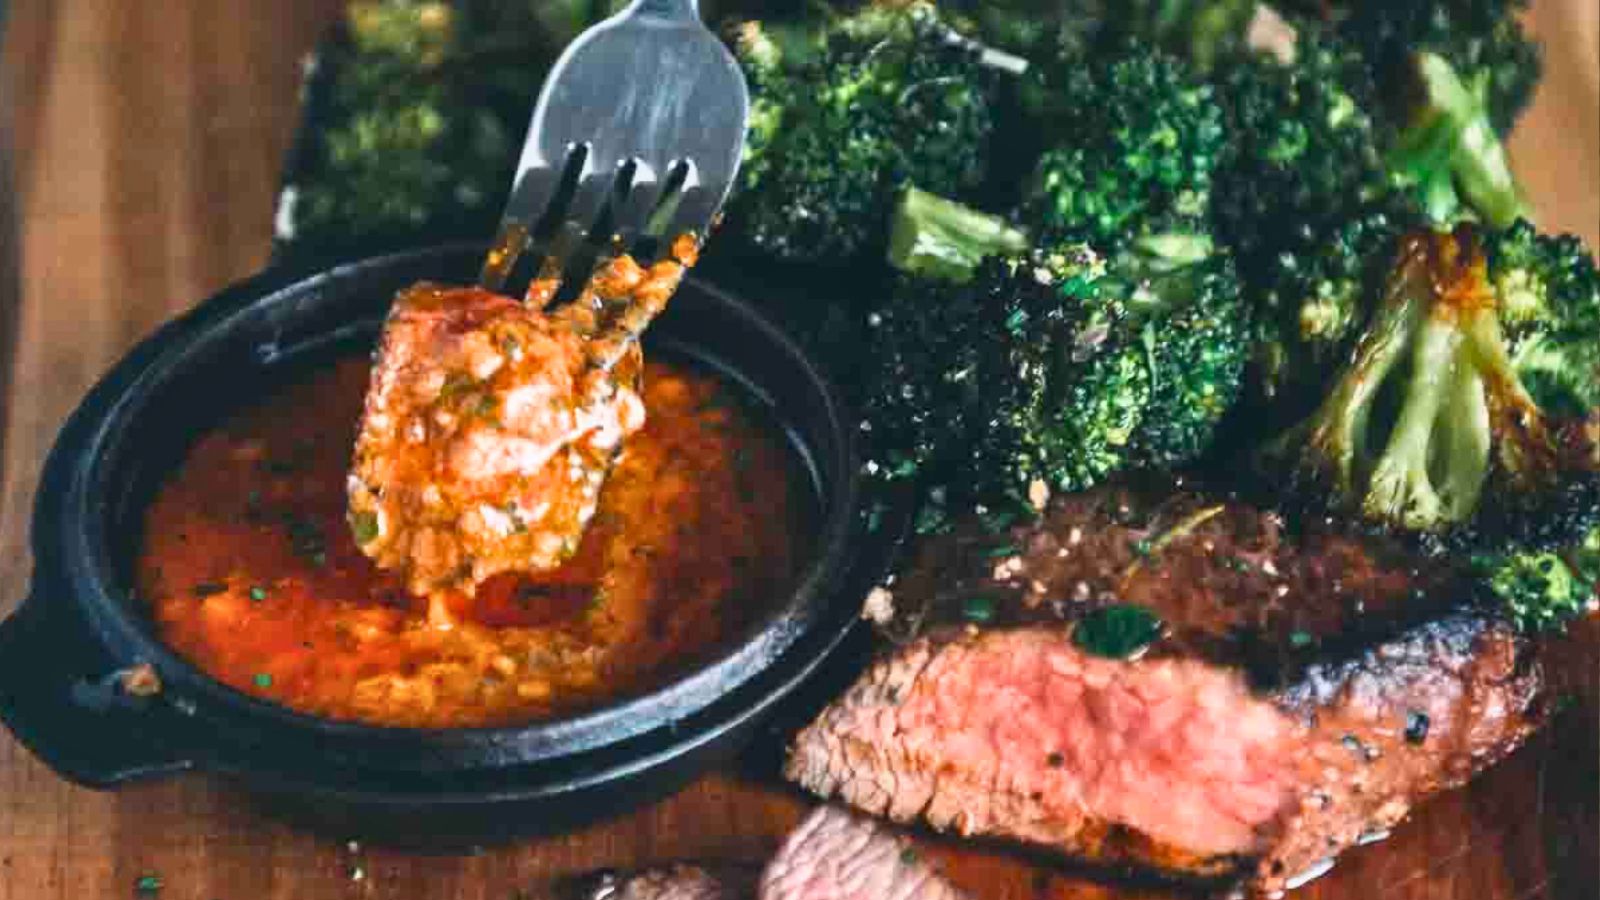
(633, 214)
(588, 201)
(530, 198)
(693, 214)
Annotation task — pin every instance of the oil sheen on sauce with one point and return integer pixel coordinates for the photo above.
(251, 573)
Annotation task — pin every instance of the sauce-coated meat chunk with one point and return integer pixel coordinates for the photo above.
(487, 434)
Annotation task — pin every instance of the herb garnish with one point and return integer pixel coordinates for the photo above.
(258, 593)
(148, 885)
(263, 680)
(978, 609)
(364, 526)
(1117, 632)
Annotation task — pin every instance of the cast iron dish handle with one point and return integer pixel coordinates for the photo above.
(74, 712)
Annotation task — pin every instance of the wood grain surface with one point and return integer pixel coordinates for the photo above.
(146, 138)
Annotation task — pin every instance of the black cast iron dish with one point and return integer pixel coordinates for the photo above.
(63, 655)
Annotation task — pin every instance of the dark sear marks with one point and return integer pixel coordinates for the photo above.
(1160, 679)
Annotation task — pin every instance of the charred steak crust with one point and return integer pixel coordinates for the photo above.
(1307, 693)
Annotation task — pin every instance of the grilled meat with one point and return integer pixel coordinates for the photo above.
(490, 424)
(1155, 680)
(483, 442)
(675, 882)
(837, 855)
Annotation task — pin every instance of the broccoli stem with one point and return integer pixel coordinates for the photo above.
(1337, 432)
(1401, 489)
(932, 237)
(1450, 151)
(1463, 438)
(1526, 451)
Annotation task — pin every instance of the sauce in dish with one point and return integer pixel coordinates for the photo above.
(252, 574)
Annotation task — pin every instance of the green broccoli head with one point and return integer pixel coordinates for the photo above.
(1482, 40)
(1202, 32)
(1196, 335)
(1052, 370)
(963, 380)
(1543, 589)
(1139, 138)
(1307, 157)
(1312, 295)
(1452, 78)
(844, 118)
(1432, 414)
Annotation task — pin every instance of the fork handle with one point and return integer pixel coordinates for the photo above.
(685, 10)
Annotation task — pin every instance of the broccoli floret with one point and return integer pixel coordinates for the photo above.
(945, 369)
(1432, 409)
(1307, 158)
(1203, 32)
(1198, 340)
(1482, 40)
(1139, 139)
(1312, 294)
(1452, 78)
(872, 101)
(1051, 370)
(414, 108)
(1543, 589)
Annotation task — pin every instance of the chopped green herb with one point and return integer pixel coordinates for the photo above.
(1141, 548)
(1001, 551)
(1299, 638)
(978, 609)
(263, 680)
(1117, 632)
(486, 406)
(364, 525)
(456, 384)
(208, 589)
(908, 856)
(148, 885)
(258, 593)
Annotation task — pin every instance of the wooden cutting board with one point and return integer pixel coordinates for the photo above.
(147, 138)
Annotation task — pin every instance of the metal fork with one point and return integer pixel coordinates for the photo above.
(637, 133)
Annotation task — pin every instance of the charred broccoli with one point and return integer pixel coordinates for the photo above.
(1543, 590)
(844, 116)
(415, 108)
(1451, 79)
(1436, 405)
(1051, 370)
(1481, 40)
(1139, 139)
(1201, 31)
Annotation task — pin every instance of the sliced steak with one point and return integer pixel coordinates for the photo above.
(675, 882)
(1301, 692)
(837, 855)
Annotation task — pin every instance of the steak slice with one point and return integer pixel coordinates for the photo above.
(1302, 693)
(679, 881)
(837, 855)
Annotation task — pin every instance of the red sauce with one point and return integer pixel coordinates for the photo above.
(251, 572)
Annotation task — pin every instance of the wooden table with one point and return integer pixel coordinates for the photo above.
(147, 138)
